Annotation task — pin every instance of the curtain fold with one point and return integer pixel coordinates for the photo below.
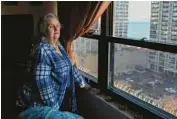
(77, 18)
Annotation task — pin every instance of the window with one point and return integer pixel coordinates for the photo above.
(145, 76)
(161, 63)
(174, 9)
(164, 28)
(174, 4)
(165, 10)
(161, 69)
(86, 51)
(164, 14)
(161, 54)
(152, 66)
(165, 19)
(174, 14)
(137, 72)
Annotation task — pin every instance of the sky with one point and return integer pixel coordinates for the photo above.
(139, 10)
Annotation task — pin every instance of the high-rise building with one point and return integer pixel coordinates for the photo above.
(163, 29)
(120, 19)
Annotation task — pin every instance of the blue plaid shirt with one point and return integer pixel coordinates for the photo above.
(51, 76)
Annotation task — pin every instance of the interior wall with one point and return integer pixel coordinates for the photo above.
(92, 107)
(24, 7)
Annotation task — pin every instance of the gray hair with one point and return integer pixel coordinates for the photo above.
(45, 21)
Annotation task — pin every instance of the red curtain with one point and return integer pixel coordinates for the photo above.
(77, 18)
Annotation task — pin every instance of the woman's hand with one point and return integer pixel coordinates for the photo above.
(87, 87)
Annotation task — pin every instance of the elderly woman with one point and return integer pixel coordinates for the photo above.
(52, 85)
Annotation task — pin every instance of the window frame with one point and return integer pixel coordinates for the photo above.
(105, 38)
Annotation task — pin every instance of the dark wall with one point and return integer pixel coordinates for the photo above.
(16, 31)
(92, 107)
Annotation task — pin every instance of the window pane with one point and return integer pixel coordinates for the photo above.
(96, 28)
(146, 74)
(154, 21)
(86, 51)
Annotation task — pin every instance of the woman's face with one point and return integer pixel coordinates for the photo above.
(53, 28)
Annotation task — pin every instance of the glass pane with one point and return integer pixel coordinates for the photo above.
(154, 21)
(96, 28)
(146, 74)
(86, 51)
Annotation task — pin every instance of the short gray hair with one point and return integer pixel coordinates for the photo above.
(45, 20)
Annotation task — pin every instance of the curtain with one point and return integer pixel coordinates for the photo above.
(77, 18)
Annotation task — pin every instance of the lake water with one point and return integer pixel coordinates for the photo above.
(138, 29)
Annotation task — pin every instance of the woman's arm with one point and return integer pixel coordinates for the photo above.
(79, 78)
(42, 72)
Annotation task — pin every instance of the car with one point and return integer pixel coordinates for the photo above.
(128, 79)
(170, 90)
(152, 83)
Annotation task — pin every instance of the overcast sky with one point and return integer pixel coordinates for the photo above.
(139, 10)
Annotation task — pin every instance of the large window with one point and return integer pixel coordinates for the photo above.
(139, 70)
(147, 77)
(86, 51)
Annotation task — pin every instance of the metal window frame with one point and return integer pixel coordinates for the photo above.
(104, 40)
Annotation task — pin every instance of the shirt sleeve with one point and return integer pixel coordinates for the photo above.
(78, 77)
(41, 72)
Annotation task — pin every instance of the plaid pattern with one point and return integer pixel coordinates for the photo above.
(78, 78)
(52, 75)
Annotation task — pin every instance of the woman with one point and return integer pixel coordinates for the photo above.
(52, 86)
